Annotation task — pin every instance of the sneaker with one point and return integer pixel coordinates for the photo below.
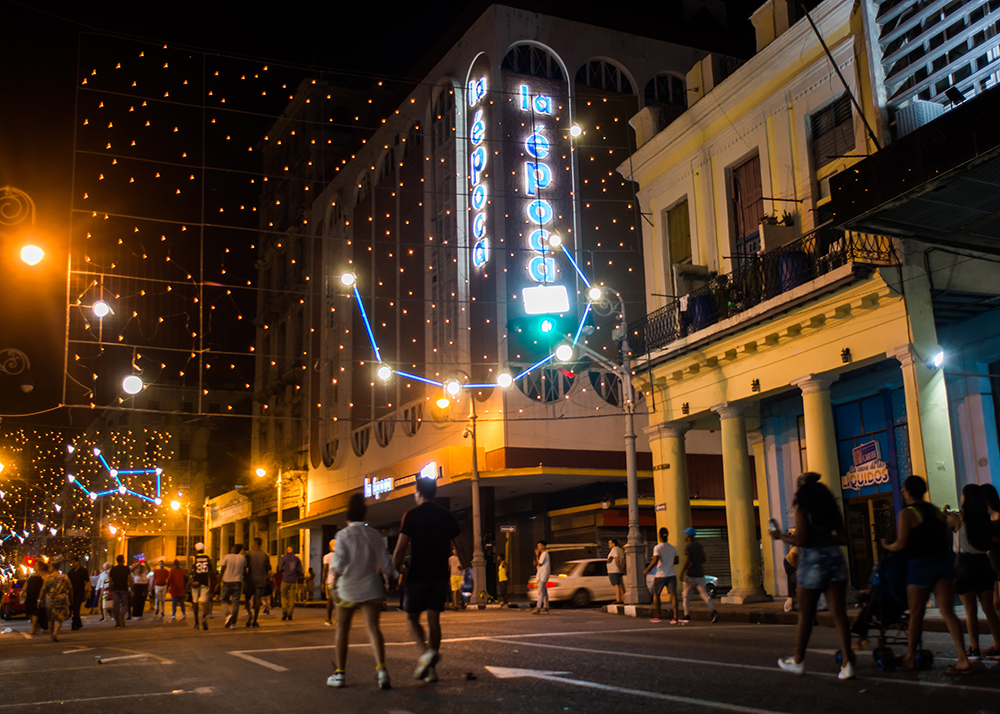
(327, 623)
(674, 621)
(229, 619)
(196, 625)
(204, 624)
(847, 671)
(337, 679)
(427, 659)
(715, 615)
(974, 655)
(655, 619)
(788, 664)
(284, 617)
(255, 624)
(684, 620)
(432, 674)
(382, 676)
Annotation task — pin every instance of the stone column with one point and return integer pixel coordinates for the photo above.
(670, 479)
(744, 550)
(928, 426)
(821, 438)
(764, 509)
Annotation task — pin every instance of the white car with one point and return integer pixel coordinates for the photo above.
(711, 585)
(578, 582)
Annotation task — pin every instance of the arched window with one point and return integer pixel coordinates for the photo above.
(666, 89)
(364, 187)
(545, 385)
(533, 61)
(604, 75)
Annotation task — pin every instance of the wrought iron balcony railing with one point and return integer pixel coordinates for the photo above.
(756, 281)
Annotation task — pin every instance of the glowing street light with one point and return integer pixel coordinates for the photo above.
(384, 372)
(261, 473)
(132, 384)
(348, 280)
(443, 403)
(453, 387)
(595, 293)
(102, 309)
(575, 130)
(113, 530)
(504, 380)
(564, 352)
(32, 254)
(176, 505)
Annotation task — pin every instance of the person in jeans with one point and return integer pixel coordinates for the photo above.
(140, 588)
(78, 576)
(616, 566)
(160, 576)
(290, 568)
(922, 533)
(233, 566)
(543, 568)
(177, 587)
(431, 530)
(200, 585)
(972, 540)
(259, 576)
(819, 533)
(502, 580)
(361, 570)
(121, 577)
(693, 575)
(664, 576)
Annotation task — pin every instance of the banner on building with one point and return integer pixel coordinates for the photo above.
(868, 468)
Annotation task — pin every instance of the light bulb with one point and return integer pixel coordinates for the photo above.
(132, 384)
(384, 372)
(32, 254)
(504, 380)
(555, 240)
(443, 403)
(595, 293)
(564, 352)
(261, 473)
(101, 309)
(575, 130)
(348, 279)
(453, 387)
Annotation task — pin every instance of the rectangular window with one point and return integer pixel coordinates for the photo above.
(182, 545)
(832, 132)
(679, 233)
(748, 208)
(803, 461)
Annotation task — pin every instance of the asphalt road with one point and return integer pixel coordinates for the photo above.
(492, 661)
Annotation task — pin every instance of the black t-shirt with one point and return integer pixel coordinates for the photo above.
(430, 529)
(79, 578)
(696, 559)
(202, 568)
(119, 577)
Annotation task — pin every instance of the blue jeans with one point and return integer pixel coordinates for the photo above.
(174, 600)
(543, 595)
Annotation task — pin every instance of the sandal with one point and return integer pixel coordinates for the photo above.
(907, 663)
(992, 653)
(953, 669)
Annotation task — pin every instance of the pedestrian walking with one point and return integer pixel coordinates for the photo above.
(362, 571)
(259, 577)
(971, 542)
(32, 589)
(819, 533)
(455, 578)
(664, 576)
(326, 576)
(430, 531)
(57, 595)
(78, 578)
(791, 566)
(401, 585)
(177, 587)
(234, 564)
(693, 575)
(616, 566)
(121, 579)
(543, 568)
(993, 505)
(160, 582)
(140, 588)
(922, 533)
(502, 579)
(309, 586)
(200, 585)
(275, 589)
(290, 568)
(94, 600)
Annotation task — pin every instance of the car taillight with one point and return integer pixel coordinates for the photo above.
(531, 585)
(550, 584)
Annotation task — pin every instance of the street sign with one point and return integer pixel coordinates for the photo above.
(508, 529)
(659, 507)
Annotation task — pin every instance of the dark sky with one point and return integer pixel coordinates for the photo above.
(38, 57)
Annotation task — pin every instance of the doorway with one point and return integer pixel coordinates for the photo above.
(869, 519)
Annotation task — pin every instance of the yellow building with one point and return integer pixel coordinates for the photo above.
(805, 345)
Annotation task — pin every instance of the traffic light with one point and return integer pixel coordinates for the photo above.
(547, 329)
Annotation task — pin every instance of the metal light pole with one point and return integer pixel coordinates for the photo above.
(478, 557)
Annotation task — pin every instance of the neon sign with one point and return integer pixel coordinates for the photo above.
(377, 486)
(543, 297)
(477, 168)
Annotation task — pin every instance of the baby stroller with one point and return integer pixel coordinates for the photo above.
(886, 612)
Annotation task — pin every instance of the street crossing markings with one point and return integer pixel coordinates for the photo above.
(141, 695)
(513, 673)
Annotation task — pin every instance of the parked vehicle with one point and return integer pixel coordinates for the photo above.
(10, 604)
(711, 585)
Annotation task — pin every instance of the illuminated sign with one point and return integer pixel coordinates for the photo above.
(537, 176)
(478, 156)
(376, 486)
(868, 468)
(429, 471)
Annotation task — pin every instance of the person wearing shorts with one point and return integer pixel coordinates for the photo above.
(616, 563)
(429, 531)
(201, 584)
(664, 576)
(455, 579)
(693, 574)
(361, 571)
(326, 577)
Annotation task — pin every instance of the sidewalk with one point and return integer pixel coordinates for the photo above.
(773, 613)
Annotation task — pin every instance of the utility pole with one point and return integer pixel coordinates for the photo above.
(478, 557)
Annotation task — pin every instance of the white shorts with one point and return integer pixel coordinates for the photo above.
(199, 592)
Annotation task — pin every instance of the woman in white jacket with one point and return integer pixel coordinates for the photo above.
(361, 569)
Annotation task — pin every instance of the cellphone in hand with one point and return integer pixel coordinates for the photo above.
(774, 525)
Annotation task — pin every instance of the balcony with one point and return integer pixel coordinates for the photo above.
(771, 277)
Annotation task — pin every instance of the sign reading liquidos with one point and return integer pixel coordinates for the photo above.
(868, 468)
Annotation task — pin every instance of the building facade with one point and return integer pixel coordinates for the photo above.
(805, 332)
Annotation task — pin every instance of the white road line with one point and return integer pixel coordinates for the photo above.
(199, 690)
(112, 659)
(261, 662)
(506, 673)
(736, 665)
(81, 649)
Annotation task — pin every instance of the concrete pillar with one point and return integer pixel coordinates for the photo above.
(670, 480)
(744, 548)
(928, 426)
(821, 438)
(764, 508)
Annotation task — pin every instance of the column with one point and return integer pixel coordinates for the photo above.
(764, 509)
(744, 550)
(821, 438)
(928, 426)
(670, 480)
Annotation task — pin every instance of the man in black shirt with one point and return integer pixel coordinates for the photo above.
(121, 578)
(200, 584)
(693, 574)
(78, 576)
(431, 531)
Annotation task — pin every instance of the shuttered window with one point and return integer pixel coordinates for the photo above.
(679, 233)
(748, 199)
(832, 132)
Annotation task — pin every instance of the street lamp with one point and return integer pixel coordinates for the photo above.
(605, 301)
